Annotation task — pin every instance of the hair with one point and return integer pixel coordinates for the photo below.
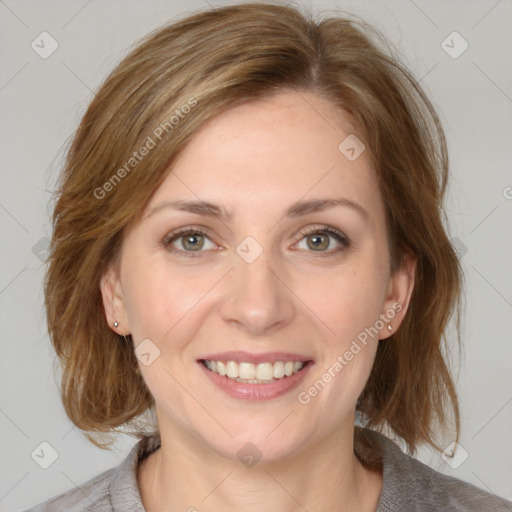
(175, 80)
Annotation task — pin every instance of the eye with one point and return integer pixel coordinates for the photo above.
(323, 240)
(187, 240)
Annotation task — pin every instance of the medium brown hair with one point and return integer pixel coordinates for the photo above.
(173, 82)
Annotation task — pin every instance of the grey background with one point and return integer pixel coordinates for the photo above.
(42, 100)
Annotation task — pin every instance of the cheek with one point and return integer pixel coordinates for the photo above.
(163, 307)
(346, 301)
(348, 309)
(160, 299)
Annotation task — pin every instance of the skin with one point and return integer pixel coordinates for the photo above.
(256, 160)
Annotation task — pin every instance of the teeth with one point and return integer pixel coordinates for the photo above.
(247, 371)
(232, 370)
(254, 373)
(278, 370)
(265, 371)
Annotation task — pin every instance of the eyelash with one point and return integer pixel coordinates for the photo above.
(338, 235)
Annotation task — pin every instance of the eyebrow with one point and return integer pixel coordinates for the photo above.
(298, 209)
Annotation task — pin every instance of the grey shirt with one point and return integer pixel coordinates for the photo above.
(408, 484)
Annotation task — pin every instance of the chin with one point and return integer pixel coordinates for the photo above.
(264, 441)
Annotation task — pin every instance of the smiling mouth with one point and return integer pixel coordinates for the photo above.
(255, 373)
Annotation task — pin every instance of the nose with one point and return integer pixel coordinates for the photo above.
(257, 298)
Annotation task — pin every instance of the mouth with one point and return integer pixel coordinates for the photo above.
(255, 377)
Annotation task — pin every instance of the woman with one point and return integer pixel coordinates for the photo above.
(248, 243)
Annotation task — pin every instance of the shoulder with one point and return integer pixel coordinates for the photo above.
(93, 495)
(421, 488)
(113, 490)
(409, 485)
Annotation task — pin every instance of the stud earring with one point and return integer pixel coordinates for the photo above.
(390, 328)
(116, 323)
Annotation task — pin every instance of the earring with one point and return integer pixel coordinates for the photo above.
(390, 328)
(116, 323)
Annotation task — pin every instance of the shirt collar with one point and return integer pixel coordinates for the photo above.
(124, 490)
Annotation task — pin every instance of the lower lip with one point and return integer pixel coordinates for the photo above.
(257, 392)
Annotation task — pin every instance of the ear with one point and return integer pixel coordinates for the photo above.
(113, 301)
(398, 296)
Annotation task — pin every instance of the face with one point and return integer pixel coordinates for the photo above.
(263, 254)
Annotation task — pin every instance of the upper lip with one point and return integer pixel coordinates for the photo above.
(266, 357)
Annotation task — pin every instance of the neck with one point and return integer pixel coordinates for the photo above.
(186, 475)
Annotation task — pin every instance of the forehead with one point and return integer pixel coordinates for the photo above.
(269, 153)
